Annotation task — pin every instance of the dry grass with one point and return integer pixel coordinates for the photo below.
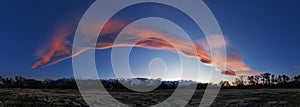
(226, 98)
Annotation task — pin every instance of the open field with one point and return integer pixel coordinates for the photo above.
(226, 97)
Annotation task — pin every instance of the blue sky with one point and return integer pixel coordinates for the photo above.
(264, 33)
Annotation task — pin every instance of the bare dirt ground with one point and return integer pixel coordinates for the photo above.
(226, 98)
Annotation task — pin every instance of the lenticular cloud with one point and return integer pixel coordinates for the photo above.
(60, 48)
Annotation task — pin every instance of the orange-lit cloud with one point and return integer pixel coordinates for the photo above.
(228, 72)
(235, 63)
(60, 48)
(214, 42)
(247, 73)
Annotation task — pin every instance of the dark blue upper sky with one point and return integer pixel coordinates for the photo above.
(265, 33)
(26, 26)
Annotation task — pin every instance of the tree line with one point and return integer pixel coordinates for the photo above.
(70, 83)
(265, 80)
(22, 82)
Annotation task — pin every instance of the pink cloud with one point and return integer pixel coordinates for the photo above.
(60, 48)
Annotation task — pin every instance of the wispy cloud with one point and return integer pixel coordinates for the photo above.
(235, 63)
(60, 48)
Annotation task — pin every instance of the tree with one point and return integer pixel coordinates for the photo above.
(263, 79)
(242, 79)
(1, 82)
(224, 83)
(266, 78)
(285, 78)
(256, 78)
(32, 83)
(1, 79)
(296, 78)
(8, 82)
(273, 79)
(279, 79)
(48, 83)
(239, 81)
(19, 81)
(251, 80)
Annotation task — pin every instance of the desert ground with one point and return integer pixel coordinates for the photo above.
(225, 98)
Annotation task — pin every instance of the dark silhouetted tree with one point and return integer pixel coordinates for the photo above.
(48, 83)
(285, 78)
(224, 84)
(1, 82)
(279, 79)
(266, 79)
(239, 81)
(19, 81)
(251, 80)
(257, 78)
(8, 82)
(32, 83)
(273, 79)
(296, 78)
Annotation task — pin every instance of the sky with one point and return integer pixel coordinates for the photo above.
(264, 34)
